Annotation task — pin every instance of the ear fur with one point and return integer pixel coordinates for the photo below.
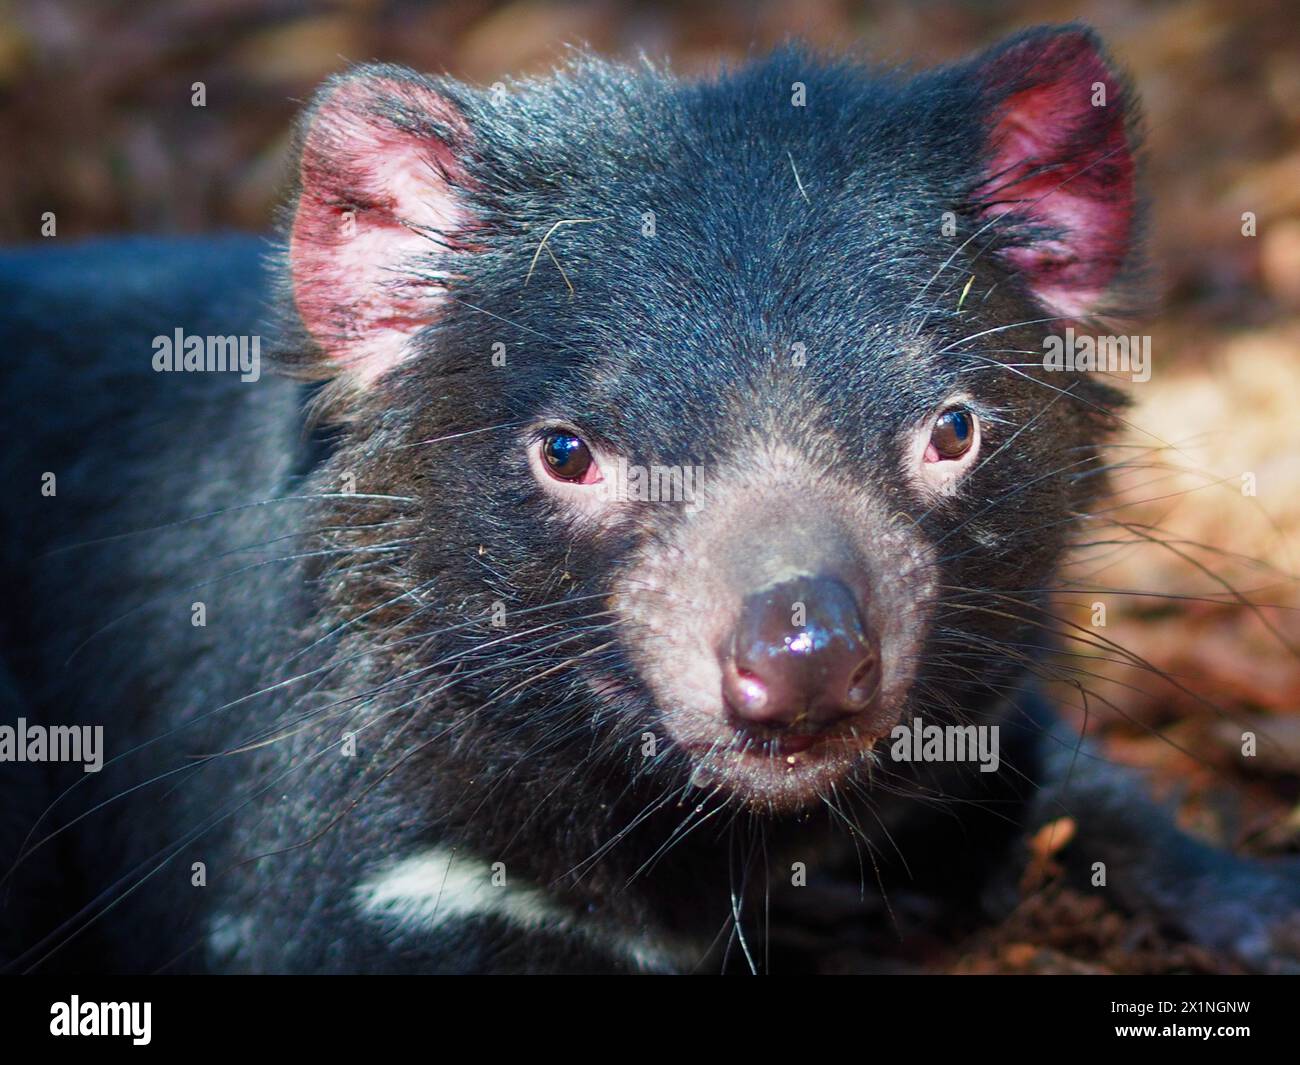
(379, 202)
(1060, 171)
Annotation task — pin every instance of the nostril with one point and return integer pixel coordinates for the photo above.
(863, 685)
(749, 693)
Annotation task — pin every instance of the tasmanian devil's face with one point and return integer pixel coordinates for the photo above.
(746, 374)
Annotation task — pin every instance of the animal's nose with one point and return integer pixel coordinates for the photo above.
(800, 657)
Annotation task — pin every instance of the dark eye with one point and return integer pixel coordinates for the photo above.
(567, 457)
(953, 434)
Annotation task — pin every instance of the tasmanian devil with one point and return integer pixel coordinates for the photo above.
(634, 457)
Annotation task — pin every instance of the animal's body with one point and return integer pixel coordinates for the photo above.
(397, 668)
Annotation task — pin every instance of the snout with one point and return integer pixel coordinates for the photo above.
(777, 625)
(801, 661)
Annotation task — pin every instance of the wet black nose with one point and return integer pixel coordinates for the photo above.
(801, 656)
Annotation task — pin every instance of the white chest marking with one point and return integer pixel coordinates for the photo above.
(438, 887)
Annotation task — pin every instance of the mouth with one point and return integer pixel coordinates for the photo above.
(782, 772)
(775, 771)
(788, 745)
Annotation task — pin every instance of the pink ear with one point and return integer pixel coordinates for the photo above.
(377, 205)
(1062, 163)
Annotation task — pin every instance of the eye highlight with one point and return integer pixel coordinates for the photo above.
(567, 457)
(952, 435)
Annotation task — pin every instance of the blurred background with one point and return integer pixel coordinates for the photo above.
(96, 125)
